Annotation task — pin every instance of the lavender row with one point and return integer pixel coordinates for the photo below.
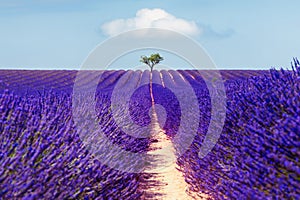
(42, 155)
(257, 155)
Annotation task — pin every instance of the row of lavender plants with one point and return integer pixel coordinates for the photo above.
(257, 155)
(43, 157)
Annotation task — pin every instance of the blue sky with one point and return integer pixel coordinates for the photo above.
(59, 34)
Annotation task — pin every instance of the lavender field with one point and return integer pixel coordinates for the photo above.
(257, 155)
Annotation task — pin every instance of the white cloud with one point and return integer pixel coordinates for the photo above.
(151, 18)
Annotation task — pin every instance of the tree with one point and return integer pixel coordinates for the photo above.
(152, 60)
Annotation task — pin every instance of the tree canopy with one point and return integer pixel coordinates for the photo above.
(152, 60)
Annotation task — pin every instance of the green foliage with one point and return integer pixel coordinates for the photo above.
(152, 60)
